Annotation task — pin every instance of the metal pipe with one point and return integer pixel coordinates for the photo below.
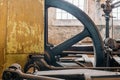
(46, 27)
(62, 68)
(82, 65)
(107, 18)
(87, 52)
(16, 73)
(22, 75)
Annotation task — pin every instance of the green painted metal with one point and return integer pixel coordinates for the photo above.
(90, 30)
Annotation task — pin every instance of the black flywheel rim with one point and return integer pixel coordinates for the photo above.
(90, 28)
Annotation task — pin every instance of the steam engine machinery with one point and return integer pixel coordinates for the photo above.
(41, 60)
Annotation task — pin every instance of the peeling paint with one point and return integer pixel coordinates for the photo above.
(25, 33)
(30, 37)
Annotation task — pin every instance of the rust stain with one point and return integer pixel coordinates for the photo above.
(24, 38)
(25, 26)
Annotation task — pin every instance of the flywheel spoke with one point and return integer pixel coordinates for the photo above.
(68, 43)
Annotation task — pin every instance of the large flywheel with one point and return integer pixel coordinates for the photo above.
(90, 30)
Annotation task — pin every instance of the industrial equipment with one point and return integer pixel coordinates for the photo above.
(54, 56)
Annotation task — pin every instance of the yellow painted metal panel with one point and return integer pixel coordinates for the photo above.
(3, 19)
(16, 58)
(25, 26)
(22, 30)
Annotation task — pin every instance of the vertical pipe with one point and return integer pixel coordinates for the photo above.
(112, 29)
(46, 27)
(107, 24)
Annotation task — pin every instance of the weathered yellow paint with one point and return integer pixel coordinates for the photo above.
(25, 26)
(16, 58)
(3, 20)
(22, 30)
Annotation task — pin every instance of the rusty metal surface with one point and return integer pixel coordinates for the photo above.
(14, 73)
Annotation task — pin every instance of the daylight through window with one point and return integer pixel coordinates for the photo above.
(116, 12)
(61, 14)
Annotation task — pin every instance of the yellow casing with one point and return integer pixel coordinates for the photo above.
(21, 30)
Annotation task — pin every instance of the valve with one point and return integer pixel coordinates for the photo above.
(10, 73)
(111, 43)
